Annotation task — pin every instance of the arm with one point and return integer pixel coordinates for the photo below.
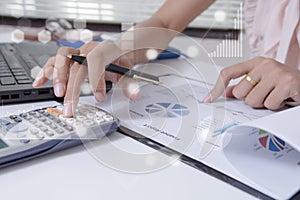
(155, 32)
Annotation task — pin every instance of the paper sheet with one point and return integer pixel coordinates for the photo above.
(173, 114)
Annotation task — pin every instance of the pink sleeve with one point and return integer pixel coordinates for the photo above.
(273, 29)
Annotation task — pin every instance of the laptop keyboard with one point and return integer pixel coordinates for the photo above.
(12, 75)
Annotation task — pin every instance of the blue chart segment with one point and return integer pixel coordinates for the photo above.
(167, 110)
(271, 142)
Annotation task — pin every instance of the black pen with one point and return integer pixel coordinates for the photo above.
(120, 70)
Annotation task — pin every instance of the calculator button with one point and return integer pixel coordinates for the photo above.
(70, 120)
(34, 131)
(46, 114)
(37, 115)
(38, 124)
(99, 120)
(21, 135)
(27, 117)
(19, 127)
(77, 125)
(18, 119)
(80, 117)
(62, 124)
(24, 141)
(33, 121)
(100, 113)
(108, 118)
(56, 120)
(31, 113)
(91, 115)
(40, 136)
(60, 108)
(49, 133)
(60, 130)
(23, 115)
(53, 126)
(13, 116)
(51, 117)
(47, 122)
(88, 122)
(42, 119)
(85, 112)
(41, 111)
(69, 128)
(4, 122)
(62, 118)
(43, 128)
(54, 111)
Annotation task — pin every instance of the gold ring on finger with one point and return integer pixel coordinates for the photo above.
(250, 80)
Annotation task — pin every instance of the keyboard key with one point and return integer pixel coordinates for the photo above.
(24, 81)
(6, 75)
(2, 71)
(7, 81)
(19, 73)
(22, 77)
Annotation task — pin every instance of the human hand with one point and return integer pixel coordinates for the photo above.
(270, 84)
(68, 76)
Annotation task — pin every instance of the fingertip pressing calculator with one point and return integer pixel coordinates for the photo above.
(42, 131)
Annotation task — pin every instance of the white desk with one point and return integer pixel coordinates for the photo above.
(75, 174)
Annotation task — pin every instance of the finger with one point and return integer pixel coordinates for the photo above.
(109, 76)
(259, 93)
(102, 55)
(244, 87)
(130, 87)
(276, 99)
(61, 69)
(45, 74)
(228, 92)
(292, 103)
(229, 73)
(77, 75)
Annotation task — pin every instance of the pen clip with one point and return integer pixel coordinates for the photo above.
(136, 77)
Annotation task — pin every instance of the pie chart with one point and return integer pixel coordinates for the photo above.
(167, 110)
(271, 142)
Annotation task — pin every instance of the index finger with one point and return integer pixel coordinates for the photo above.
(229, 73)
(61, 68)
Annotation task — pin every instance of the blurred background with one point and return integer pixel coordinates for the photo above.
(108, 15)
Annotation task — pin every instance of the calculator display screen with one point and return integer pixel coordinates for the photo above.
(2, 144)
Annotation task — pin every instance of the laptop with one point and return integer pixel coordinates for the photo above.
(18, 66)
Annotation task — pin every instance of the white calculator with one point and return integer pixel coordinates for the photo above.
(43, 131)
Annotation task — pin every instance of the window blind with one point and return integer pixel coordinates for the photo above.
(221, 15)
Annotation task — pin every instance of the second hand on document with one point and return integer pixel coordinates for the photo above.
(120, 70)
